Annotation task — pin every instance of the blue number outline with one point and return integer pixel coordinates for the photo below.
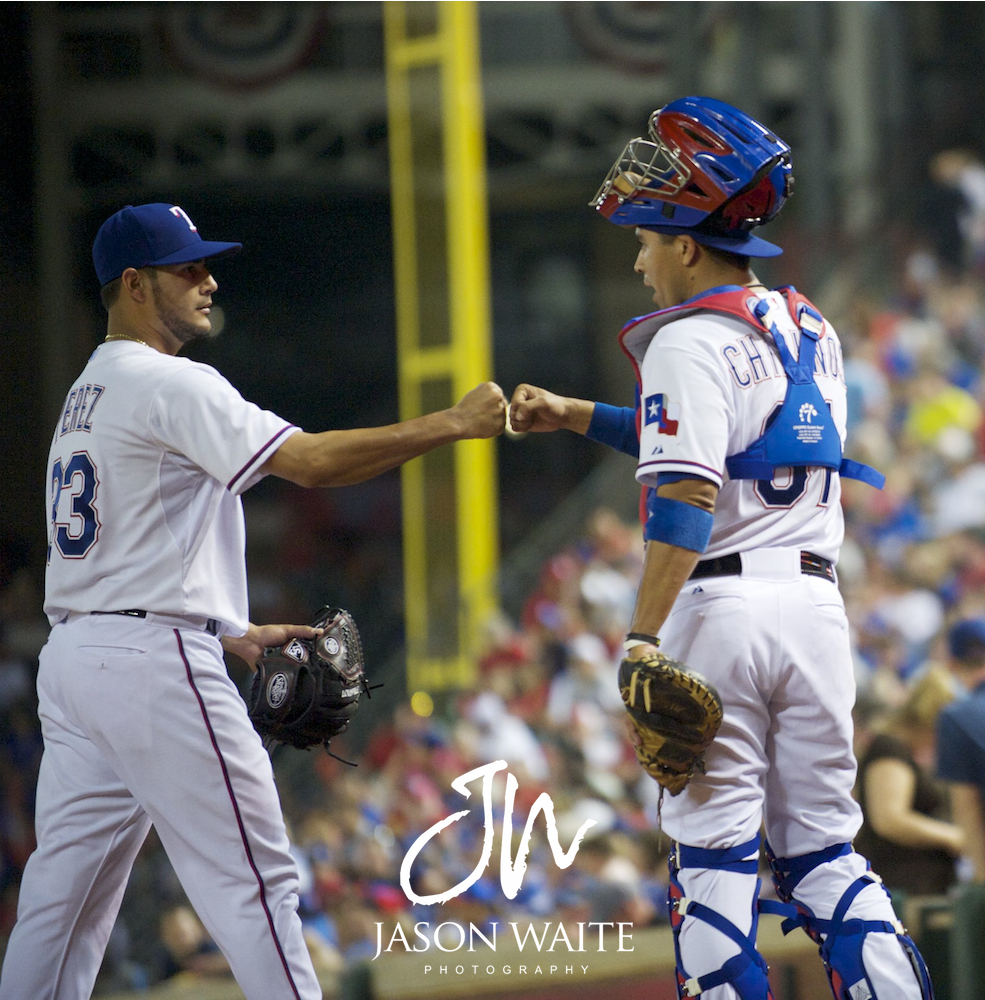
(75, 546)
(783, 497)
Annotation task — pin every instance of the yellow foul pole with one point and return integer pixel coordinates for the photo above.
(441, 265)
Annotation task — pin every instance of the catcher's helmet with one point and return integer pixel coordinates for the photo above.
(706, 166)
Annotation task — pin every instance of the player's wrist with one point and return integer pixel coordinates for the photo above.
(458, 423)
(635, 639)
(577, 414)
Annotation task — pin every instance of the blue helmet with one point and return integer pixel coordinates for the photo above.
(706, 166)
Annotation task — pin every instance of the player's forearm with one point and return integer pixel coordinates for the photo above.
(245, 646)
(578, 414)
(665, 570)
(341, 458)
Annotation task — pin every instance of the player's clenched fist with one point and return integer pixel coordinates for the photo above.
(536, 409)
(482, 411)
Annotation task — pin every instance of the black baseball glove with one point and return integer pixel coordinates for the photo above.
(306, 691)
(675, 713)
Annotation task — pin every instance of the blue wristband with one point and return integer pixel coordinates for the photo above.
(615, 426)
(677, 523)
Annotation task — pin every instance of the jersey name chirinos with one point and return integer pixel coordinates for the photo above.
(751, 361)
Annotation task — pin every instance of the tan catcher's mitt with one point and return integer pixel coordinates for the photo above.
(676, 714)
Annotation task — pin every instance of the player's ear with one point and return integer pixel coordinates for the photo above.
(689, 250)
(135, 284)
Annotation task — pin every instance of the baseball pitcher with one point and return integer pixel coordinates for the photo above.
(145, 588)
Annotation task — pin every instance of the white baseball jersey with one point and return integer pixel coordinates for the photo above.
(145, 472)
(710, 382)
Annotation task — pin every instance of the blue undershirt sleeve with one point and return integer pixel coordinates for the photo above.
(615, 426)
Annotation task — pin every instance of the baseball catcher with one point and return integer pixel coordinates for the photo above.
(675, 714)
(306, 691)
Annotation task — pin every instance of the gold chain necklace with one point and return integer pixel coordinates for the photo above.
(125, 336)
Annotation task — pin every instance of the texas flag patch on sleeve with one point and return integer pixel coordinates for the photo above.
(659, 410)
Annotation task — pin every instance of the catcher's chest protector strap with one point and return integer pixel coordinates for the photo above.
(736, 301)
(802, 431)
(746, 972)
(841, 940)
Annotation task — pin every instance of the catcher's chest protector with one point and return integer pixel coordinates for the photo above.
(801, 432)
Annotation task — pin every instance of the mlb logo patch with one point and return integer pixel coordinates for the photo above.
(659, 410)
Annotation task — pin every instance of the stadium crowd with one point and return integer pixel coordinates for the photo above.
(546, 702)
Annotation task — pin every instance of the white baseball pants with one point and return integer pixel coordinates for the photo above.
(142, 725)
(774, 642)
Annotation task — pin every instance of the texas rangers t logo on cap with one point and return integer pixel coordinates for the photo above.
(659, 410)
(181, 213)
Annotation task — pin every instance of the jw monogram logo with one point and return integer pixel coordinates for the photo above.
(510, 872)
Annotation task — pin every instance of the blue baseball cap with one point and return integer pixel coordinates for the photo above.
(966, 639)
(740, 241)
(150, 235)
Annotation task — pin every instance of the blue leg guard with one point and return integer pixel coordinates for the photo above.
(745, 972)
(839, 940)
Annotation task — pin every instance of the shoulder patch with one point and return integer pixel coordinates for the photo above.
(659, 410)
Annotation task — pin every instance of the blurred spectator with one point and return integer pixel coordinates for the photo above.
(961, 739)
(552, 610)
(119, 972)
(24, 625)
(958, 503)
(962, 171)
(611, 574)
(502, 736)
(905, 832)
(188, 945)
(357, 932)
(610, 882)
(16, 676)
(944, 416)
(583, 700)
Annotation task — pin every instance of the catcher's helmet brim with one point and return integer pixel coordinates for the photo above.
(743, 243)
